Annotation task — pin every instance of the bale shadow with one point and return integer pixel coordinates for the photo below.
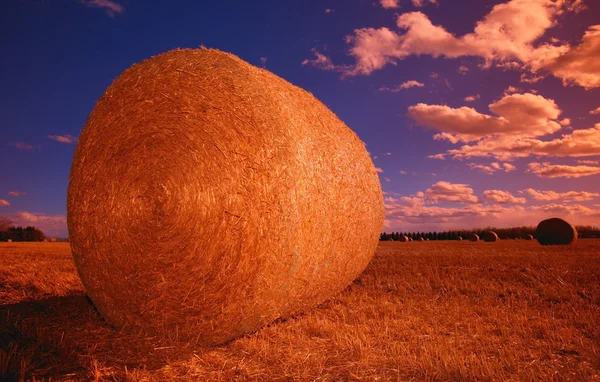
(64, 337)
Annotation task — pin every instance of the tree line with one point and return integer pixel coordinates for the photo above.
(9, 232)
(503, 233)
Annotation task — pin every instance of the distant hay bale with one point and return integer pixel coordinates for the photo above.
(53, 240)
(9, 241)
(391, 239)
(490, 237)
(404, 239)
(473, 237)
(410, 239)
(459, 238)
(45, 240)
(529, 237)
(208, 198)
(421, 239)
(555, 231)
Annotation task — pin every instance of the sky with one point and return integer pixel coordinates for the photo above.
(476, 113)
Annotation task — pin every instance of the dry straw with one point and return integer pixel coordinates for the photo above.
(209, 197)
(555, 231)
(490, 237)
(473, 237)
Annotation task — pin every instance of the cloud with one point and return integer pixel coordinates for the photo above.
(63, 138)
(595, 111)
(472, 98)
(322, 62)
(378, 170)
(520, 115)
(502, 197)
(403, 86)
(402, 172)
(422, 3)
(463, 69)
(505, 36)
(549, 195)
(511, 89)
(51, 225)
(16, 193)
(329, 10)
(547, 170)
(493, 167)
(22, 146)
(565, 122)
(4, 203)
(590, 162)
(448, 192)
(389, 4)
(263, 62)
(112, 8)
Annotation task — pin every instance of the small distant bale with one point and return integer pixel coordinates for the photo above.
(421, 239)
(459, 238)
(427, 239)
(555, 231)
(529, 237)
(9, 241)
(473, 237)
(490, 237)
(404, 239)
(53, 240)
(390, 239)
(410, 239)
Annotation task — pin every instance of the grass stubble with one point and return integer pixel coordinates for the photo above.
(443, 311)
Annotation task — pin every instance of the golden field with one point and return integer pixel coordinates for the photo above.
(442, 311)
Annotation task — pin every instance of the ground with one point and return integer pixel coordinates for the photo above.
(446, 311)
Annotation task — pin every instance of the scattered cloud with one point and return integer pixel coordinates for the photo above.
(387, 179)
(595, 111)
(548, 195)
(472, 98)
(322, 62)
(511, 90)
(263, 62)
(502, 197)
(389, 4)
(63, 138)
(520, 115)
(16, 193)
(378, 170)
(22, 146)
(507, 36)
(422, 3)
(565, 122)
(590, 162)
(547, 170)
(403, 86)
(463, 69)
(111, 7)
(4, 203)
(329, 10)
(450, 192)
(493, 167)
(387, 154)
(402, 172)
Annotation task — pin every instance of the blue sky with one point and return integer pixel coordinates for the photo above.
(475, 112)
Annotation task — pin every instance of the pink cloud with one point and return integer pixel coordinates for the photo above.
(450, 192)
(463, 69)
(549, 195)
(547, 170)
(502, 197)
(493, 167)
(4, 203)
(472, 98)
(521, 115)
(422, 3)
(595, 111)
(403, 86)
(63, 138)
(112, 8)
(322, 62)
(22, 146)
(16, 193)
(389, 4)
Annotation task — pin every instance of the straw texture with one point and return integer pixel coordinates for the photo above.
(555, 231)
(208, 198)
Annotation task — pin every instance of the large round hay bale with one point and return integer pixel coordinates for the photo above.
(209, 197)
(490, 237)
(404, 239)
(555, 231)
(529, 237)
(473, 237)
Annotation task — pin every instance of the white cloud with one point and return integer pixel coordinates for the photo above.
(549, 195)
(389, 4)
(502, 197)
(450, 192)
(403, 86)
(63, 138)
(320, 61)
(547, 170)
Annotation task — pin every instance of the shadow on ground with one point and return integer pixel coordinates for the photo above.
(64, 337)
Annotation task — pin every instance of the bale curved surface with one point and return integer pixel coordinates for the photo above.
(209, 197)
(490, 237)
(404, 239)
(459, 238)
(473, 237)
(555, 231)
(529, 237)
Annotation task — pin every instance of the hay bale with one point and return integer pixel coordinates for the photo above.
(9, 241)
(208, 198)
(473, 237)
(410, 239)
(459, 238)
(404, 239)
(391, 239)
(529, 237)
(421, 239)
(490, 237)
(53, 240)
(555, 231)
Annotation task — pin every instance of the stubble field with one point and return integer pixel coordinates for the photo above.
(443, 311)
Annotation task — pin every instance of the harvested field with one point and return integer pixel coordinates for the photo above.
(438, 311)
